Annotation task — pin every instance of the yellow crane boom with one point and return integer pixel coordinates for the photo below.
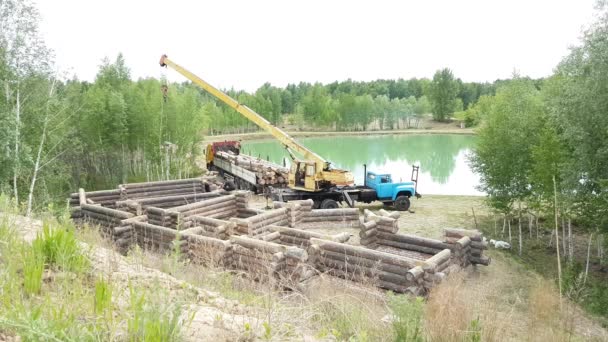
(315, 179)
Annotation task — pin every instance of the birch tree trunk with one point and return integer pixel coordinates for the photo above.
(588, 255)
(519, 226)
(17, 138)
(564, 250)
(510, 239)
(570, 242)
(30, 194)
(559, 263)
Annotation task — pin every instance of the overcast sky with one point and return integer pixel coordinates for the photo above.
(243, 44)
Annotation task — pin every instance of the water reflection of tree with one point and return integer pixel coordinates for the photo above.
(436, 154)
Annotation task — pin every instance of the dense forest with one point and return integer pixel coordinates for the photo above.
(58, 134)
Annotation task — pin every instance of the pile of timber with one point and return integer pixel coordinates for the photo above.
(385, 270)
(206, 250)
(346, 216)
(105, 218)
(380, 232)
(258, 224)
(298, 237)
(269, 261)
(138, 206)
(242, 199)
(157, 238)
(106, 198)
(211, 227)
(267, 173)
(162, 188)
(222, 206)
(197, 248)
(296, 210)
(471, 242)
(374, 226)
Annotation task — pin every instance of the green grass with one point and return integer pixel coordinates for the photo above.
(152, 318)
(48, 292)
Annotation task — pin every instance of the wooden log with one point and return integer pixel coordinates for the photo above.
(353, 260)
(82, 198)
(368, 241)
(440, 257)
(295, 240)
(183, 188)
(474, 235)
(160, 183)
(357, 270)
(341, 237)
(156, 211)
(206, 212)
(272, 236)
(203, 209)
(97, 193)
(384, 240)
(300, 233)
(175, 198)
(394, 215)
(222, 215)
(207, 221)
(267, 214)
(159, 193)
(101, 223)
(334, 212)
(360, 276)
(101, 217)
(298, 254)
(122, 230)
(263, 246)
(252, 253)
(209, 241)
(205, 203)
(364, 234)
(368, 225)
(331, 219)
(106, 211)
(484, 260)
(416, 240)
(482, 245)
(414, 273)
(365, 253)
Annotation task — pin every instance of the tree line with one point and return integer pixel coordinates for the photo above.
(542, 151)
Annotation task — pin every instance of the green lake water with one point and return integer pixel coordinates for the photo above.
(442, 158)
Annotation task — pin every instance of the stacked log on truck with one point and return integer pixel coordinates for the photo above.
(267, 173)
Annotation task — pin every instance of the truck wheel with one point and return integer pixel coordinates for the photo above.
(329, 203)
(402, 203)
(229, 186)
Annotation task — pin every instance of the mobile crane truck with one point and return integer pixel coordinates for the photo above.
(311, 177)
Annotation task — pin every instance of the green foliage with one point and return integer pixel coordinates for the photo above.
(151, 318)
(103, 296)
(59, 247)
(407, 317)
(33, 267)
(442, 93)
(503, 156)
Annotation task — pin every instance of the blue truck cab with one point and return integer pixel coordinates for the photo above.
(396, 194)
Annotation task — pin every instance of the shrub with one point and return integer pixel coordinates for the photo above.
(61, 248)
(407, 317)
